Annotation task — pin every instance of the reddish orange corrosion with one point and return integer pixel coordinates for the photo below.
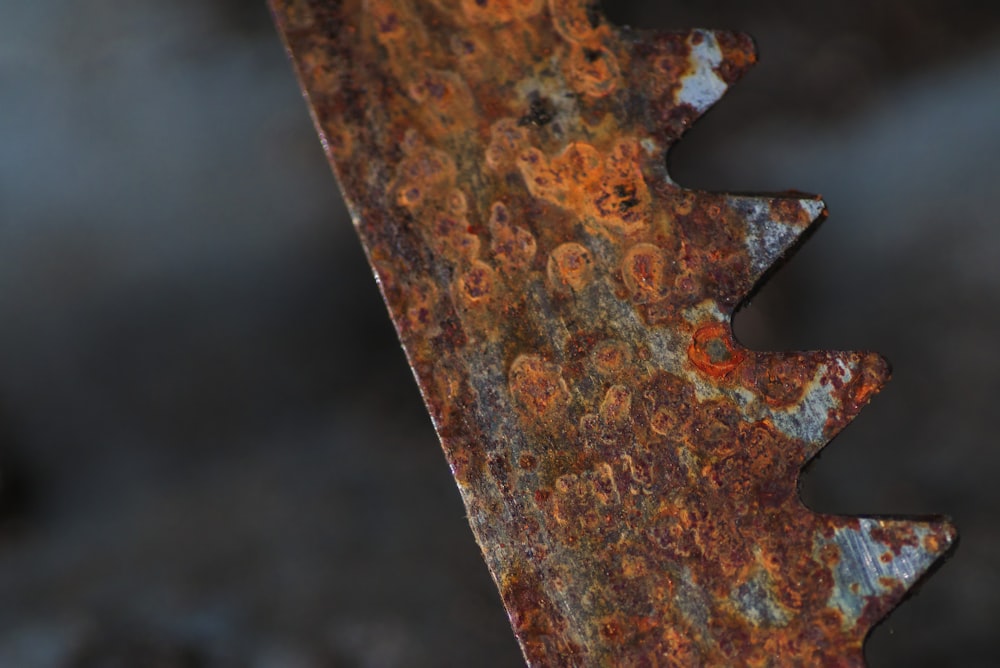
(714, 351)
(628, 468)
(538, 387)
(570, 265)
(610, 188)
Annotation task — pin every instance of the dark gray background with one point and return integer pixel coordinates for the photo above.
(212, 452)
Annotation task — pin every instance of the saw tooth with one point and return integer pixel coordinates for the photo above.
(741, 239)
(775, 226)
(879, 560)
(812, 396)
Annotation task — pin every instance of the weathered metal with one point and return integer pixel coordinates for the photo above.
(628, 467)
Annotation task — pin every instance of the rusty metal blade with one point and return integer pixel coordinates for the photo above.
(629, 468)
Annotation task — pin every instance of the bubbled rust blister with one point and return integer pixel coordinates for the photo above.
(629, 469)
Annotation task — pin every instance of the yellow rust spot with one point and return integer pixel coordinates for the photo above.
(602, 484)
(781, 380)
(494, 12)
(644, 271)
(572, 21)
(759, 447)
(425, 185)
(420, 305)
(662, 421)
(476, 283)
(424, 175)
(401, 33)
(641, 473)
(591, 71)
(394, 23)
(564, 497)
(453, 239)
(610, 357)
(507, 140)
(570, 265)
(538, 386)
(444, 102)
(513, 246)
(633, 566)
(472, 56)
(457, 203)
(670, 67)
(616, 406)
(607, 187)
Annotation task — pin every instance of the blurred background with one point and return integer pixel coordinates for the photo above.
(212, 453)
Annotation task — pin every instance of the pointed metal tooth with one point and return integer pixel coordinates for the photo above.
(837, 386)
(774, 226)
(879, 561)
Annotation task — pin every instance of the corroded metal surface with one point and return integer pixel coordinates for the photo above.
(629, 468)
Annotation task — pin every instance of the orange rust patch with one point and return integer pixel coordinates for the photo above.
(570, 265)
(571, 21)
(513, 247)
(610, 356)
(644, 271)
(507, 140)
(592, 71)
(443, 102)
(420, 307)
(422, 175)
(616, 405)
(896, 538)
(476, 284)
(873, 376)
(457, 203)
(606, 187)
(500, 11)
(662, 421)
(713, 350)
(633, 567)
(395, 22)
(538, 386)
(780, 379)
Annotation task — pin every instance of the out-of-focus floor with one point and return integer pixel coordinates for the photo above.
(211, 450)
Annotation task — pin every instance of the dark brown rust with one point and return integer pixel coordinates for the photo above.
(629, 468)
